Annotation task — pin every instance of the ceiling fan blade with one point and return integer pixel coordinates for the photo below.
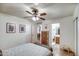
(33, 8)
(43, 14)
(27, 16)
(29, 12)
(42, 18)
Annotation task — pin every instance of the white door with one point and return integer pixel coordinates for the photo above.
(29, 33)
(78, 37)
(76, 29)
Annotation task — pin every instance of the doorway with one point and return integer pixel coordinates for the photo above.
(39, 29)
(56, 33)
(42, 34)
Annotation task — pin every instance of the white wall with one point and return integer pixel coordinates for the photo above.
(34, 32)
(66, 30)
(8, 40)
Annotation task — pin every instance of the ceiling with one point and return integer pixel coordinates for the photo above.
(53, 10)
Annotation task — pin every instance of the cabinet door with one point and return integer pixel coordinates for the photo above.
(57, 39)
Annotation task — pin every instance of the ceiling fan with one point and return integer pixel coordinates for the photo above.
(35, 14)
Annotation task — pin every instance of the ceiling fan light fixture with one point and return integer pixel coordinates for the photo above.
(35, 18)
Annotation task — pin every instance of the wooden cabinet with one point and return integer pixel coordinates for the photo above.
(57, 39)
(44, 37)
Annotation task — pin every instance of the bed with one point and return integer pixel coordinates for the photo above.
(28, 49)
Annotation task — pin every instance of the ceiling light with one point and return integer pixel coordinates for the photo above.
(35, 18)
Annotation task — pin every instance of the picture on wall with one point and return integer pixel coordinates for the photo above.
(10, 28)
(22, 28)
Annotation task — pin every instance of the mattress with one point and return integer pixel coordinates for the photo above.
(28, 49)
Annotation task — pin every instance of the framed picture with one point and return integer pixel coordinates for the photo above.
(10, 28)
(22, 28)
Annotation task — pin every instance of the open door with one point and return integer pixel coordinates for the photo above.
(56, 33)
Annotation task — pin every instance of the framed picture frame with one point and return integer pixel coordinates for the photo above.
(10, 28)
(22, 28)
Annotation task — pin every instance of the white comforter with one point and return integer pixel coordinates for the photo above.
(28, 49)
